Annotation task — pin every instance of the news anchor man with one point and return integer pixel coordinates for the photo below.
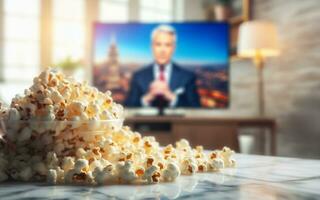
(163, 80)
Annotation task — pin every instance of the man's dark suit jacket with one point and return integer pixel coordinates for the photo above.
(181, 79)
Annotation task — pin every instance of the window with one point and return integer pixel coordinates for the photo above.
(21, 40)
(155, 10)
(21, 29)
(113, 10)
(68, 29)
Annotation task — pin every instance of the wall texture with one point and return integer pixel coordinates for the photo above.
(292, 80)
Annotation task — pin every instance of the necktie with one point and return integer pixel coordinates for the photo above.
(161, 75)
(160, 100)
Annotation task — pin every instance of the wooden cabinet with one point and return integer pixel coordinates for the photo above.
(208, 134)
(211, 132)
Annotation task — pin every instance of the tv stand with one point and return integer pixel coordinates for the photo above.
(211, 132)
(161, 113)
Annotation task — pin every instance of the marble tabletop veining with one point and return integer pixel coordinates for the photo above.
(255, 177)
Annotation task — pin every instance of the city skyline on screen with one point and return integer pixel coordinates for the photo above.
(201, 43)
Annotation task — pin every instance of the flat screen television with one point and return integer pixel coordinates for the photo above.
(191, 58)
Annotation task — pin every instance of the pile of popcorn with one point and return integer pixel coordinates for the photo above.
(65, 132)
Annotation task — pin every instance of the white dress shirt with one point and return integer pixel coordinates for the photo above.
(167, 72)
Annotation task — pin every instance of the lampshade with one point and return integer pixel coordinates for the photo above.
(257, 37)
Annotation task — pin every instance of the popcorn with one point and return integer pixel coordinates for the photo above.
(3, 166)
(43, 77)
(126, 172)
(183, 144)
(59, 148)
(14, 174)
(13, 115)
(99, 176)
(59, 131)
(95, 164)
(152, 175)
(81, 165)
(105, 175)
(60, 175)
(26, 174)
(92, 110)
(171, 172)
(202, 167)
(56, 97)
(188, 166)
(216, 164)
(139, 171)
(74, 176)
(3, 176)
(25, 134)
(47, 101)
(52, 160)
(40, 168)
(75, 109)
(52, 176)
(226, 155)
(68, 163)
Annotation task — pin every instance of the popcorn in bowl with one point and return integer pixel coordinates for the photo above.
(65, 132)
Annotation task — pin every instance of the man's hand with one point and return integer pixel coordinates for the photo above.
(156, 88)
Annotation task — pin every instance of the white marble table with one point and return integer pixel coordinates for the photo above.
(256, 177)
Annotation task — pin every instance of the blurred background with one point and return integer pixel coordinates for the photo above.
(35, 34)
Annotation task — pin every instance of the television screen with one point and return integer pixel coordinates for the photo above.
(174, 65)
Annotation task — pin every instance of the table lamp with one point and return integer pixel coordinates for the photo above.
(258, 40)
